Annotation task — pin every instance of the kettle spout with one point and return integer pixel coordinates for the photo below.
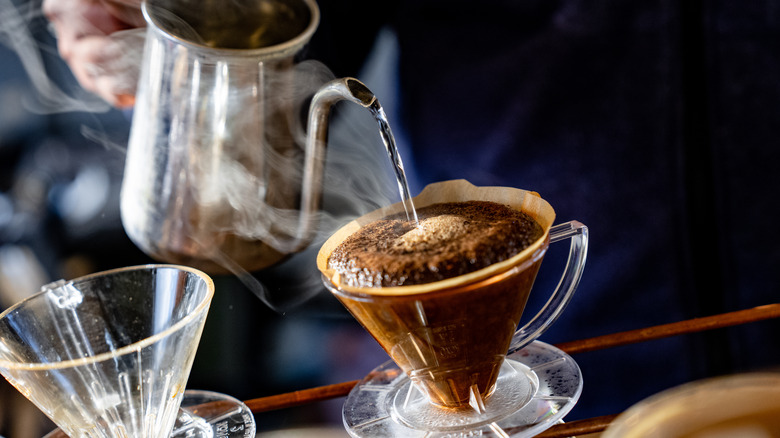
(335, 91)
(359, 93)
(349, 89)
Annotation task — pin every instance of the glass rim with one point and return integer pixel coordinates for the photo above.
(471, 280)
(276, 51)
(202, 306)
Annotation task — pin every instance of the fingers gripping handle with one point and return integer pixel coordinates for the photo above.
(578, 233)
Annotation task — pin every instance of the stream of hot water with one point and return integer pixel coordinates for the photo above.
(395, 159)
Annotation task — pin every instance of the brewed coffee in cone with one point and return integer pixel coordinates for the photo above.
(451, 332)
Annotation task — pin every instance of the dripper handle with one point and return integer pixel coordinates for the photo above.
(565, 289)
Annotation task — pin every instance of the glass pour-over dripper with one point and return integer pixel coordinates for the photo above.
(109, 354)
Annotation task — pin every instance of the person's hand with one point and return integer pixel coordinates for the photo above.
(102, 42)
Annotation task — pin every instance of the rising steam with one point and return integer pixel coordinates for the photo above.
(357, 179)
(16, 34)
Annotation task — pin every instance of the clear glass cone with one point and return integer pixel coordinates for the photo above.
(108, 355)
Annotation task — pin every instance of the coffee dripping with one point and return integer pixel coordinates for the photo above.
(216, 175)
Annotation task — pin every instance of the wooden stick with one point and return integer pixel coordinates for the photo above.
(578, 427)
(760, 313)
(301, 397)
(768, 311)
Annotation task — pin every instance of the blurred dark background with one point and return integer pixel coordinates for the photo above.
(652, 122)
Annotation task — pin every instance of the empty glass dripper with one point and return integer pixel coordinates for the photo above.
(109, 354)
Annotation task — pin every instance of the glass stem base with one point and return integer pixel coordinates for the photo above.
(206, 414)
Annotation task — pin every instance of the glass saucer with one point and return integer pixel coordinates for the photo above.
(206, 414)
(536, 388)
